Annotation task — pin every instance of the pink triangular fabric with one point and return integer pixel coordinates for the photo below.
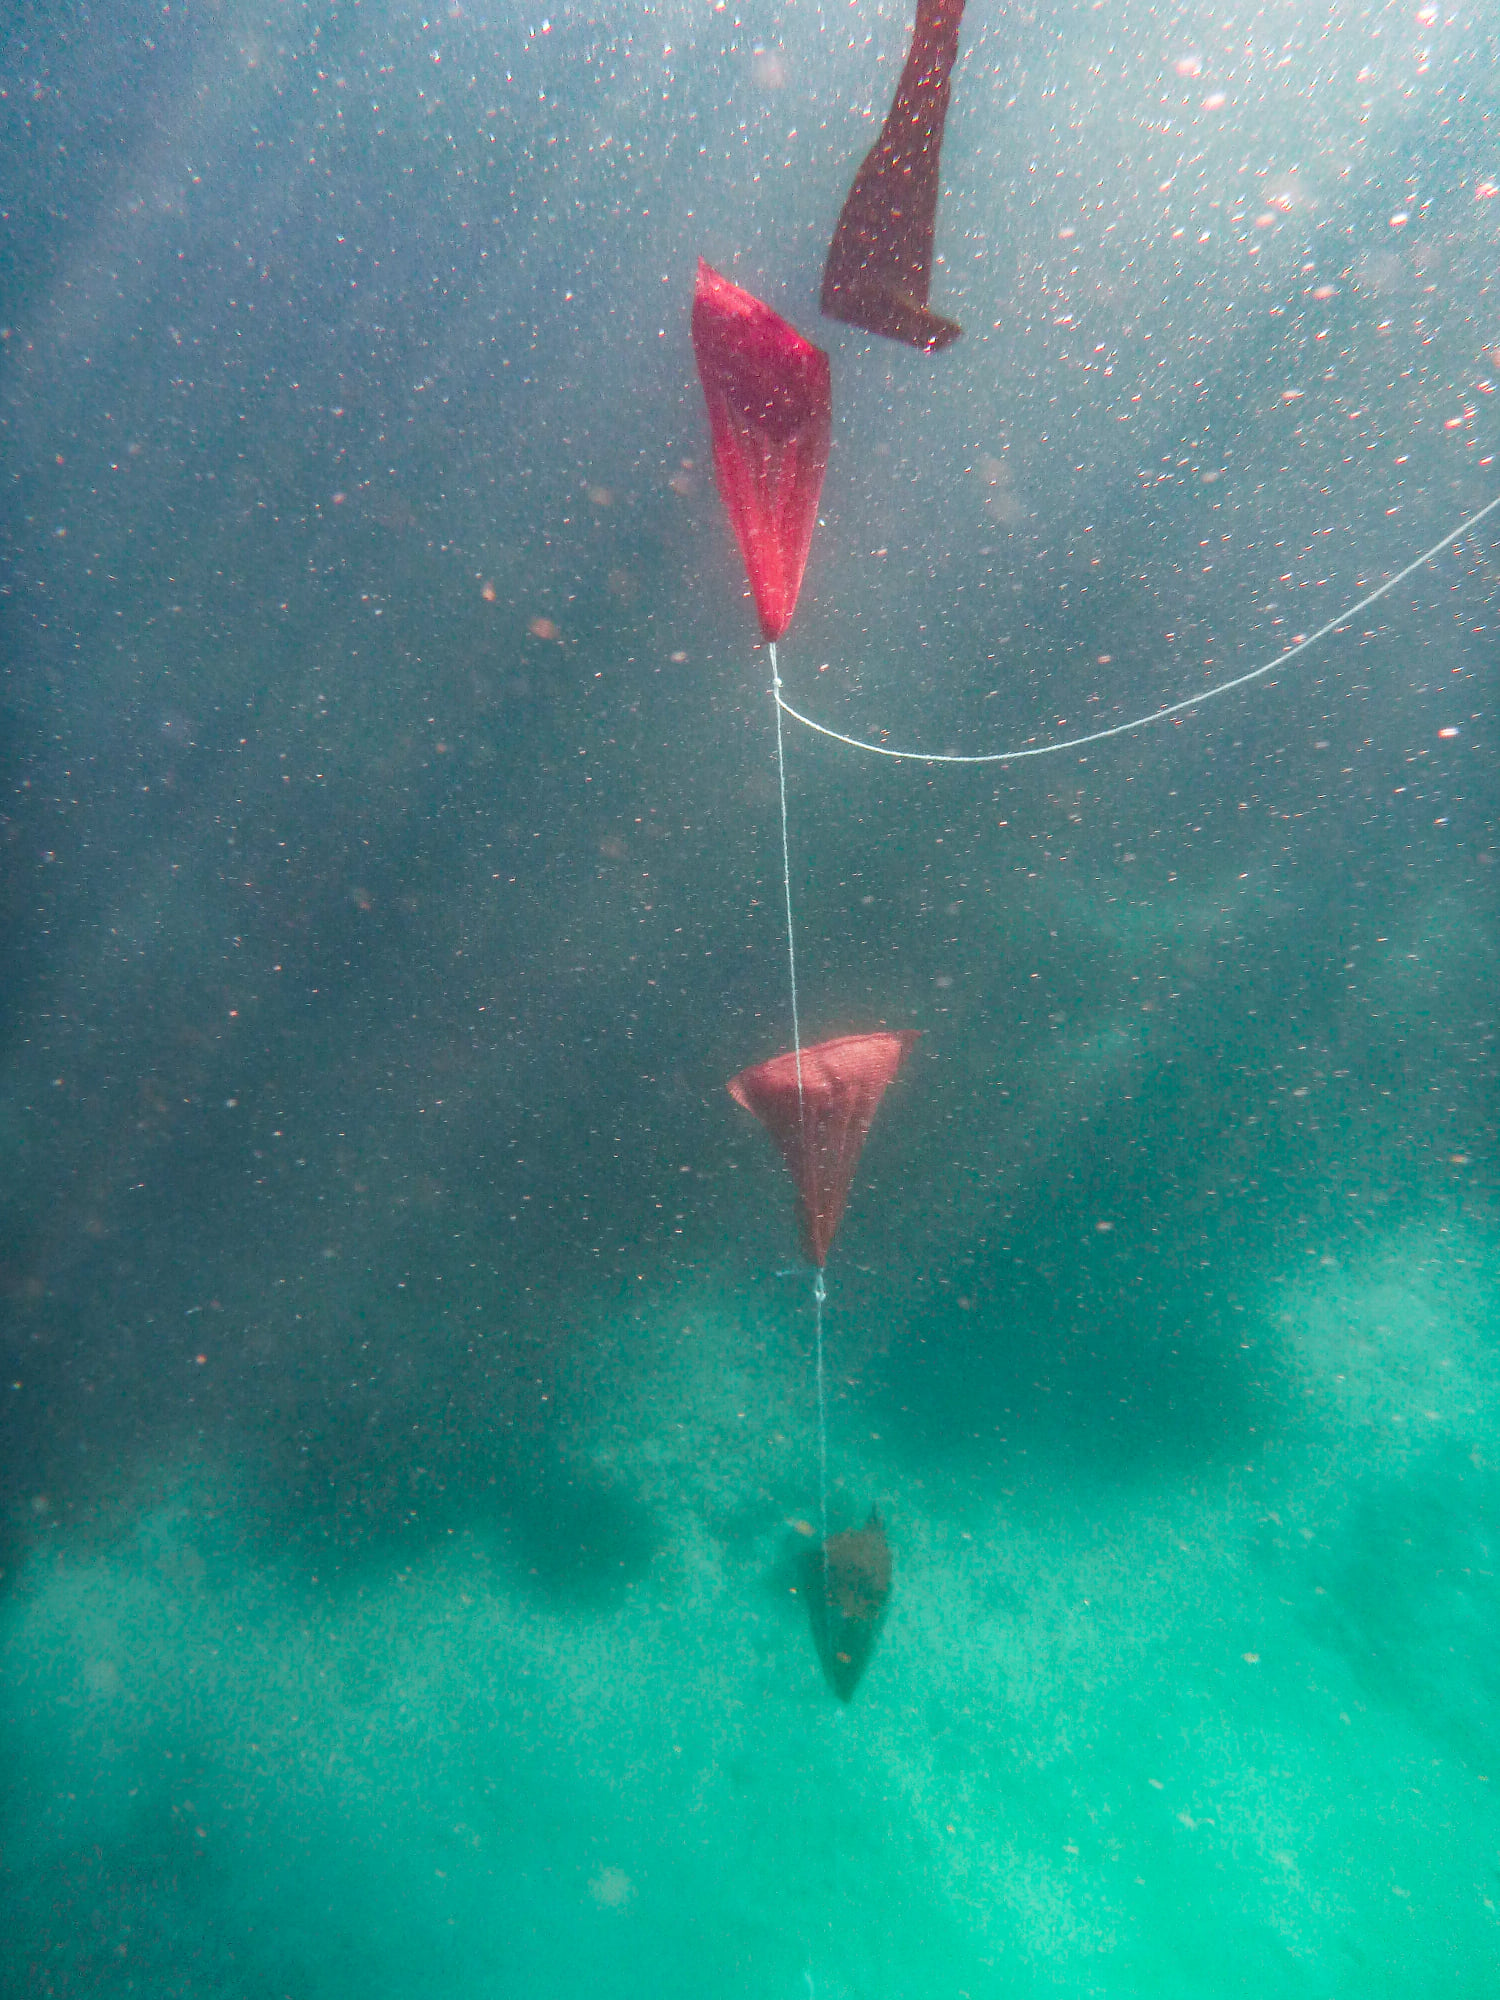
(822, 1129)
(770, 413)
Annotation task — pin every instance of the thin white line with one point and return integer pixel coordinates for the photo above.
(786, 876)
(820, 1292)
(1157, 715)
(820, 1296)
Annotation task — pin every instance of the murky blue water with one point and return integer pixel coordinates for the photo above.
(405, 1429)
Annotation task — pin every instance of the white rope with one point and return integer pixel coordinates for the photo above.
(786, 877)
(820, 1294)
(1140, 721)
(820, 1290)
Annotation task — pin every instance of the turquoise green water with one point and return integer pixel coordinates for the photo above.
(407, 1421)
(1223, 1728)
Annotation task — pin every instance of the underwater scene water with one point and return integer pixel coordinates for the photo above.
(408, 1431)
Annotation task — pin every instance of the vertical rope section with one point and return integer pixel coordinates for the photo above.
(820, 1294)
(820, 1290)
(786, 877)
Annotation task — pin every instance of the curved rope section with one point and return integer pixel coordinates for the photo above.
(1158, 714)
